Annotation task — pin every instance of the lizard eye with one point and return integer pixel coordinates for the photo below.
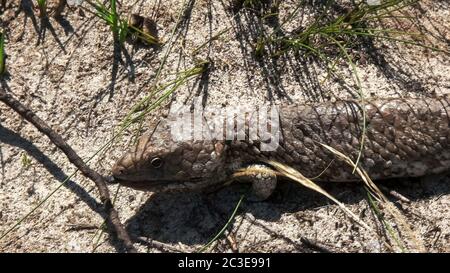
(156, 162)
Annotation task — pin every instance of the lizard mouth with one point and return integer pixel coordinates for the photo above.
(157, 185)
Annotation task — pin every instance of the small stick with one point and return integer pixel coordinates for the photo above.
(232, 241)
(316, 245)
(396, 194)
(157, 244)
(81, 227)
(112, 218)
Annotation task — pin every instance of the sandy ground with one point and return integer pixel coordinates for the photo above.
(66, 71)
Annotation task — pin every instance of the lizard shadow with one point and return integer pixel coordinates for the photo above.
(195, 218)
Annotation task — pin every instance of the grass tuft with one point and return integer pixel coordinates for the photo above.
(42, 5)
(25, 160)
(120, 27)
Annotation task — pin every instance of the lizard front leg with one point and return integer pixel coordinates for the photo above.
(263, 179)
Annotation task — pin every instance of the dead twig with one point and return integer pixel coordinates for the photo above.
(396, 194)
(317, 246)
(112, 218)
(159, 245)
(81, 227)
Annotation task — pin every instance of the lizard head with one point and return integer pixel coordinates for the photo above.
(159, 163)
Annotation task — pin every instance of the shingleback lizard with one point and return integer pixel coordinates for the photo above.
(404, 138)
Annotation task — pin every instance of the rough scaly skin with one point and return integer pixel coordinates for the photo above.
(404, 138)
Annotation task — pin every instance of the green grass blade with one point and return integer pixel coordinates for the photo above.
(361, 94)
(233, 215)
(386, 224)
(2, 54)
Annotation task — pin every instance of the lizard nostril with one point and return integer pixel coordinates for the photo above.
(118, 171)
(111, 180)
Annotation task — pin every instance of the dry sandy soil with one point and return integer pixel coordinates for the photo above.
(67, 72)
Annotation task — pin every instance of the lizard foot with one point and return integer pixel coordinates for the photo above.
(263, 179)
